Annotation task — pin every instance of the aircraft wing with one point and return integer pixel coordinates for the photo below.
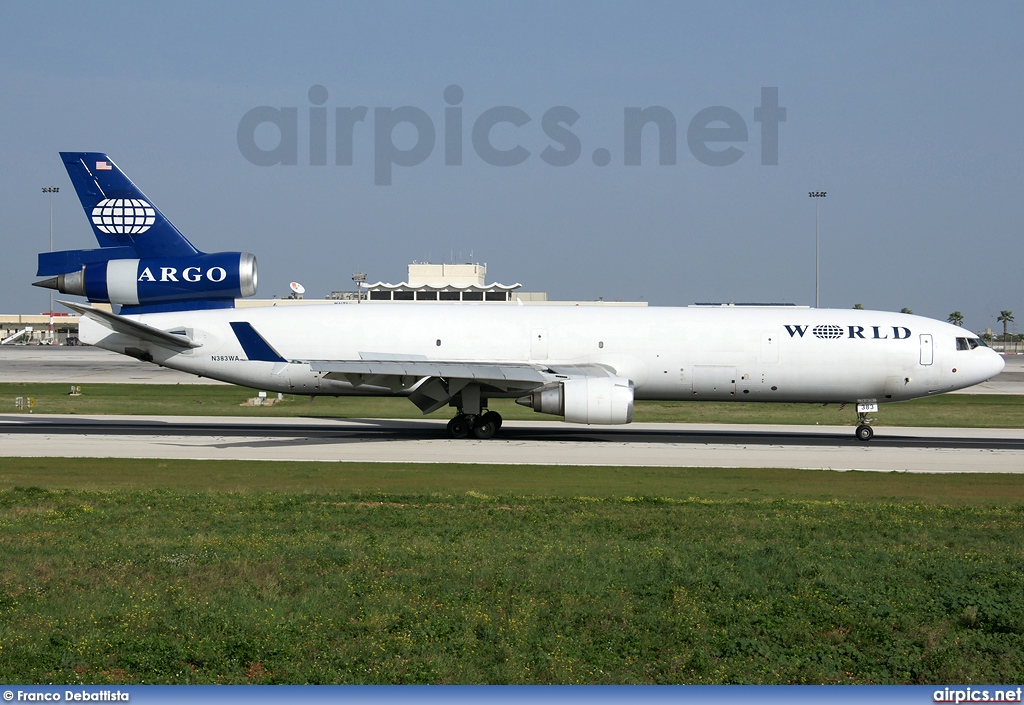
(430, 384)
(126, 326)
(355, 370)
(433, 383)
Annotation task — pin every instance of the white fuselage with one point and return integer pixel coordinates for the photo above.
(778, 354)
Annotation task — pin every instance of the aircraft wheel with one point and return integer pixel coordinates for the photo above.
(459, 427)
(485, 428)
(864, 432)
(493, 417)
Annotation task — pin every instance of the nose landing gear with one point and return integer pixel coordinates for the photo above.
(864, 431)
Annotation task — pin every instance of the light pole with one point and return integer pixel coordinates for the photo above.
(816, 195)
(51, 190)
(359, 278)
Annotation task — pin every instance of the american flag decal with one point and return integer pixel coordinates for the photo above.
(103, 166)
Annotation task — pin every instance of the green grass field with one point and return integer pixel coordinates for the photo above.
(1000, 411)
(125, 571)
(119, 571)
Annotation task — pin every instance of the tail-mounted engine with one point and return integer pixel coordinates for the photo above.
(218, 277)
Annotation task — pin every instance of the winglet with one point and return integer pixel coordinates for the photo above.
(255, 347)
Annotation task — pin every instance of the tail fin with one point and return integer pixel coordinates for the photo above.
(143, 263)
(120, 214)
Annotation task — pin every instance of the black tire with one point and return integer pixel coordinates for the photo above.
(864, 432)
(484, 429)
(459, 427)
(493, 417)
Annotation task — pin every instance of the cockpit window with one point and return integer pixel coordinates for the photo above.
(969, 343)
(962, 344)
(977, 342)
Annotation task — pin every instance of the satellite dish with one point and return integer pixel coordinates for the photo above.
(297, 288)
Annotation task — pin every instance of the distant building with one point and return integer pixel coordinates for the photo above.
(442, 282)
(433, 283)
(36, 328)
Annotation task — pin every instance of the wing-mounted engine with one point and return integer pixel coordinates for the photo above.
(590, 400)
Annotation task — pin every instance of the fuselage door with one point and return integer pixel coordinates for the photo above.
(769, 347)
(539, 345)
(927, 350)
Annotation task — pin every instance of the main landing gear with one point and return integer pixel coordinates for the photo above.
(482, 426)
(473, 417)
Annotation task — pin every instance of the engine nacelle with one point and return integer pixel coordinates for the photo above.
(590, 400)
(222, 276)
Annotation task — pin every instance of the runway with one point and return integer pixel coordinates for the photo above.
(924, 450)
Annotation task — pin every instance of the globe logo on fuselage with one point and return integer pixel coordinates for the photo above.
(125, 216)
(827, 331)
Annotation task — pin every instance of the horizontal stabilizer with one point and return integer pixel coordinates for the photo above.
(126, 326)
(73, 260)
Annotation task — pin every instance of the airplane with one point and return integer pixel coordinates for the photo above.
(586, 364)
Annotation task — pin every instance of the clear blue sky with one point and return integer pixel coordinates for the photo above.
(907, 114)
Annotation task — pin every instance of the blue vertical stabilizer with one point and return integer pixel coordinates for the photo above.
(119, 213)
(143, 263)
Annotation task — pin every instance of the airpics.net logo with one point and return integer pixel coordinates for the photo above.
(715, 136)
(123, 216)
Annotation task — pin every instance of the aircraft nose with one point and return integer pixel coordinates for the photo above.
(982, 367)
(997, 364)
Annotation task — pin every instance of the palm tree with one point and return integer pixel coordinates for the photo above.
(905, 310)
(858, 307)
(956, 318)
(1005, 317)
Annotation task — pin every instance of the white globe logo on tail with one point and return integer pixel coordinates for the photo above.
(123, 215)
